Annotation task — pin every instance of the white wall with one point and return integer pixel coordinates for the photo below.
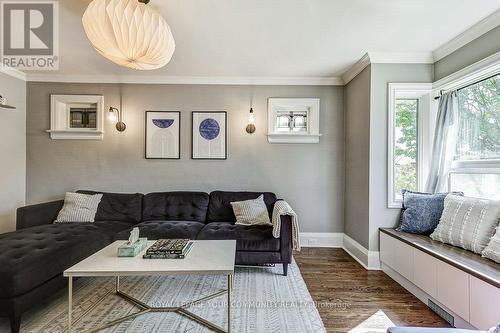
(12, 151)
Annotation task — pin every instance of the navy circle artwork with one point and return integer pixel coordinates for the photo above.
(209, 129)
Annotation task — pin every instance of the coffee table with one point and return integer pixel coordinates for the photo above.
(205, 258)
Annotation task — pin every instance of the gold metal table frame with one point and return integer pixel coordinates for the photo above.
(145, 308)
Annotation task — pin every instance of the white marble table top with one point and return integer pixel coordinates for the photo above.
(206, 257)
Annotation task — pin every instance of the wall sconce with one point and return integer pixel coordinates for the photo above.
(251, 122)
(115, 115)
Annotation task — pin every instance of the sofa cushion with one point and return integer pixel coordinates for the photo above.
(32, 256)
(125, 207)
(175, 206)
(220, 208)
(248, 238)
(78, 207)
(165, 229)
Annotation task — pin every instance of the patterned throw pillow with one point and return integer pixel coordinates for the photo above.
(467, 222)
(421, 211)
(78, 208)
(251, 212)
(492, 251)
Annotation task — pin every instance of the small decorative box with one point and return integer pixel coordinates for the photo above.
(131, 250)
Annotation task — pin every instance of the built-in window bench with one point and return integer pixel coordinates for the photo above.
(463, 284)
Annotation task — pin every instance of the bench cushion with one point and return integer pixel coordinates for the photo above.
(165, 229)
(175, 206)
(220, 208)
(248, 238)
(29, 257)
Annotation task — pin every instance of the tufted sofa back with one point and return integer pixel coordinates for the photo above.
(220, 209)
(123, 207)
(175, 206)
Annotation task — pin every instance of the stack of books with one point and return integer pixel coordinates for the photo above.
(169, 249)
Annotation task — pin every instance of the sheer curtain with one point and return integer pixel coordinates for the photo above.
(445, 137)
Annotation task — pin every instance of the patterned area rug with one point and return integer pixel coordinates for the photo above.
(263, 301)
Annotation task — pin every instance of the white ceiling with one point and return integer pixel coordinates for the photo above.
(279, 38)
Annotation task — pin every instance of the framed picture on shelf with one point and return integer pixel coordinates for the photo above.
(163, 135)
(209, 135)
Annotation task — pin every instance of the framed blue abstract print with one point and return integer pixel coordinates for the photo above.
(209, 141)
(163, 134)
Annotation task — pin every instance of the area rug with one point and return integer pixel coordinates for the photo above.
(263, 301)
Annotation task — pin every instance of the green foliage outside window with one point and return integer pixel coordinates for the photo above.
(405, 150)
(479, 121)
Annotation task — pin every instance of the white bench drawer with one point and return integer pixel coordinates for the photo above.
(453, 289)
(484, 304)
(425, 272)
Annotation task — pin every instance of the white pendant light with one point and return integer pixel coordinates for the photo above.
(129, 33)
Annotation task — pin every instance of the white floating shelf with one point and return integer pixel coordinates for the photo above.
(293, 138)
(75, 134)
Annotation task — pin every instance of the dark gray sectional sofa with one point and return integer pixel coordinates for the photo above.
(33, 257)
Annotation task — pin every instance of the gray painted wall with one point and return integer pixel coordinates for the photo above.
(381, 76)
(478, 49)
(12, 150)
(309, 176)
(357, 138)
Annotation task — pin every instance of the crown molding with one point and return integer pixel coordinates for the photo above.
(386, 58)
(401, 57)
(355, 69)
(209, 80)
(488, 23)
(13, 72)
(476, 72)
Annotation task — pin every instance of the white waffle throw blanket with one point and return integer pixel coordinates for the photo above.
(281, 207)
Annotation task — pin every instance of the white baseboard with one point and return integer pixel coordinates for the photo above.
(368, 259)
(321, 239)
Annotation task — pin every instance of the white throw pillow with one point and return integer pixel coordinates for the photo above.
(492, 251)
(79, 208)
(251, 212)
(467, 222)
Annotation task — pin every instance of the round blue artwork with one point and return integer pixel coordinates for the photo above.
(209, 129)
(163, 123)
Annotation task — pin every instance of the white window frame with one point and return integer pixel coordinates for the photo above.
(423, 93)
(310, 105)
(476, 72)
(60, 106)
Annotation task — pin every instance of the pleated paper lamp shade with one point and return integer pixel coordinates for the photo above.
(129, 33)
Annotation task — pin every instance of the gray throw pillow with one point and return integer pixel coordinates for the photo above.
(421, 211)
(492, 251)
(251, 212)
(78, 208)
(468, 223)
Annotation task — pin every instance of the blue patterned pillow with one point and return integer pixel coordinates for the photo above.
(421, 211)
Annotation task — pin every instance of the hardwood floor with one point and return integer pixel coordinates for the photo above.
(354, 299)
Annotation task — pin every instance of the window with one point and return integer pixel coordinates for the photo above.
(293, 120)
(409, 106)
(405, 146)
(476, 166)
